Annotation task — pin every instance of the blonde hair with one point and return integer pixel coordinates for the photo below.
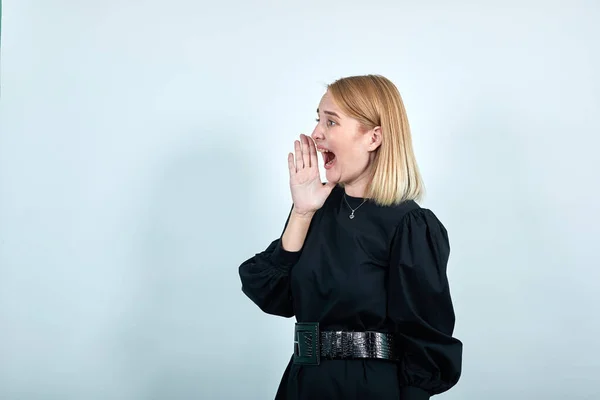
(374, 101)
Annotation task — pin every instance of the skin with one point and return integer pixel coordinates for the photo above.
(354, 149)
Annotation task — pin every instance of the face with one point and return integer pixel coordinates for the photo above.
(347, 149)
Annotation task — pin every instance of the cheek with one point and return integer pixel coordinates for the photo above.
(349, 149)
(352, 150)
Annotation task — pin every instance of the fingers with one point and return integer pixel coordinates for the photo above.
(305, 150)
(299, 159)
(291, 165)
(314, 161)
(304, 156)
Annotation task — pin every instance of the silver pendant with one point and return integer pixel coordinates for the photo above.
(351, 216)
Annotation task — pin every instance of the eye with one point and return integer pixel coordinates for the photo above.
(329, 122)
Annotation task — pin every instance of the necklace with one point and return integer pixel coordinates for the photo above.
(351, 216)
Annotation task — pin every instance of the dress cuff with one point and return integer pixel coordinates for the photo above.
(413, 393)
(280, 256)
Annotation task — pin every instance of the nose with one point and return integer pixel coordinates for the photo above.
(317, 133)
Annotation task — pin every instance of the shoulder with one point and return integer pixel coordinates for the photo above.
(409, 218)
(420, 239)
(420, 229)
(394, 215)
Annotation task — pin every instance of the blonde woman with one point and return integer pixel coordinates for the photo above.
(360, 264)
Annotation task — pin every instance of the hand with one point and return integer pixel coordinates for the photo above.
(308, 192)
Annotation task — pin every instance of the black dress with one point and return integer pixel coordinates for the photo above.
(384, 270)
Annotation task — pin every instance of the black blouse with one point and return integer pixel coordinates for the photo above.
(384, 270)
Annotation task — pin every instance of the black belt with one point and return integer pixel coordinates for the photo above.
(311, 344)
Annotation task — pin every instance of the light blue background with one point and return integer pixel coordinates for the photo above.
(143, 157)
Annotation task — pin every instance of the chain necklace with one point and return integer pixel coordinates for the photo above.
(351, 216)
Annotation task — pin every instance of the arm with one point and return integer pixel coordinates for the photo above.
(421, 309)
(296, 230)
(265, 277)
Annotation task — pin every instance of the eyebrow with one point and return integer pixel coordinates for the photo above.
(329, 113)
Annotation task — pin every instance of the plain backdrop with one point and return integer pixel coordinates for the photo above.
(143, 157)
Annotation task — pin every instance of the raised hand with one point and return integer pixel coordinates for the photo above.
(308, 192)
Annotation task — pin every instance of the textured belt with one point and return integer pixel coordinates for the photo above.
(311, 344)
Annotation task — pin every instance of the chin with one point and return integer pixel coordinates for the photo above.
(333, 176)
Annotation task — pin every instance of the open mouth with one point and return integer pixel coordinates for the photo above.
(328, 158)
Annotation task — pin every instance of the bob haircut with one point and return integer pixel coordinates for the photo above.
(374, 100)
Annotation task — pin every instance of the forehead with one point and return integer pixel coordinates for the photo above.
(328, 104)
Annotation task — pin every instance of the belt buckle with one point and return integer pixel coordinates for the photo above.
(307, 346)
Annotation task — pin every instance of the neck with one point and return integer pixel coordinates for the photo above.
(357, 188)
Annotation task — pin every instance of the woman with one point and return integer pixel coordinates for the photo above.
(360, 264)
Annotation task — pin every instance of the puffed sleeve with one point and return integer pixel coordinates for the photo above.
(265, 278)
(420, 307)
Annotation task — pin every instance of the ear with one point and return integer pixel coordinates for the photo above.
(374, 138)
